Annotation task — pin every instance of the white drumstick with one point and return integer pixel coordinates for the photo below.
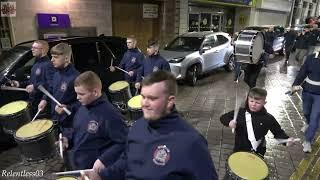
(35, 116)
(42, 89)
(72, 172)
(60, 145)
(280, 141)
(122, 70)
(236, 107)
(13, 88)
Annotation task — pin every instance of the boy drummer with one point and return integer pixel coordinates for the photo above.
(253, 123)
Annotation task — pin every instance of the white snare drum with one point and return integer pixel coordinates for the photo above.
(134, 107)
(249, 46)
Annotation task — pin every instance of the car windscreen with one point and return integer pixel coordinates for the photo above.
(185, 44)
(8, 57)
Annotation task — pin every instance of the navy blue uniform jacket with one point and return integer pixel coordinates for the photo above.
(151, 64)
(311, 69)
(99, 133)
(166, 149)
(132, 61)
(62, 89)
(41, 74)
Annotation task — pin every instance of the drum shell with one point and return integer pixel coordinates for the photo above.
(37, 147)
(249, 46)
(12, 122)
(135, 114)
(62, 177)
(120, 96)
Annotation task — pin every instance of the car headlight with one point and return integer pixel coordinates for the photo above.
(176, 60)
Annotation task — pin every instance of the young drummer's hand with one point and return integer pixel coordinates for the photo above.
(30, 88)
(131, 73)
(137, 85)
(112, 68)
(65, 143)
(233, 124)
(42, 105)
(296, 88)
(290, 141)
(98, 166)
(59, 109)
(92, 175)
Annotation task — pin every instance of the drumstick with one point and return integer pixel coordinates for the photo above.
(236, 108)
(72, 172)
(122, 70)
(13, 88)
(280, 141)
(84, 175)
(60, 145)
(42, 89)
(39, 110)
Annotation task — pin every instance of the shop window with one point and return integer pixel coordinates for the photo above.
(193, 22)
(205, 22)
(5, 38)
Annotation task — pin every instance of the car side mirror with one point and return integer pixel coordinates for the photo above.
(204, 49)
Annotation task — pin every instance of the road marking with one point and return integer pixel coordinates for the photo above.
(306, 162)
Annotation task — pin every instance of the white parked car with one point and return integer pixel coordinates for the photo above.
(195, 53)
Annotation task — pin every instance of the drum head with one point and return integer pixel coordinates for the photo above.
(33, 129)
(257, 47)
(13, 107)
(254, 168)
(67, 178)
(119, 85)
(135, 102)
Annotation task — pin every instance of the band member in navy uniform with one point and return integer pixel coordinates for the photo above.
(62, 87)
(131, 62)
(152, 63)
(41, 73)
(309, 78)
(99, 132)
(253, 123)
(161, 145)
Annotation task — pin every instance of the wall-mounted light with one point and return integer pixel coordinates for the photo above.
(56, 2)
(220, 11)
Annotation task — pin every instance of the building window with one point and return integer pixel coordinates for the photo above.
(5, 37)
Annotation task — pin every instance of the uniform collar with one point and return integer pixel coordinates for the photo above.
(100, 100)
(167, 123)
(43, 58)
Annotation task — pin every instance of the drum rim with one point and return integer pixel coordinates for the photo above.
(23, 139)
(234, 174)
(118, 89)
(16, 113)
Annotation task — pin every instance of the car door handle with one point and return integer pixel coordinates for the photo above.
(216, 51)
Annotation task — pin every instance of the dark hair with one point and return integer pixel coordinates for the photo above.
(162, 76)
(89, 80)
(257, 93)
(152, 42)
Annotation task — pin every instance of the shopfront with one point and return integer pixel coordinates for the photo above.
(214, 15)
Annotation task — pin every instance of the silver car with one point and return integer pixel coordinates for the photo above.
(195, 53)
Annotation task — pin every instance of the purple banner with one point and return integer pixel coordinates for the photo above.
(53, 20)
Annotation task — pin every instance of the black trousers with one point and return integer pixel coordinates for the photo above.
(251, 73)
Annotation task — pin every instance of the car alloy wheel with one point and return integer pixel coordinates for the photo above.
(193, 74)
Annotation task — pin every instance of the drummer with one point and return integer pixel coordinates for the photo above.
(253, 123)
(131, 62)
(161, 145)
(41, 73)
(99, 132)
(62, 87)
(152, 63)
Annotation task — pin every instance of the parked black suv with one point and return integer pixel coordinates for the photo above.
(278, 42)
(88, 53)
